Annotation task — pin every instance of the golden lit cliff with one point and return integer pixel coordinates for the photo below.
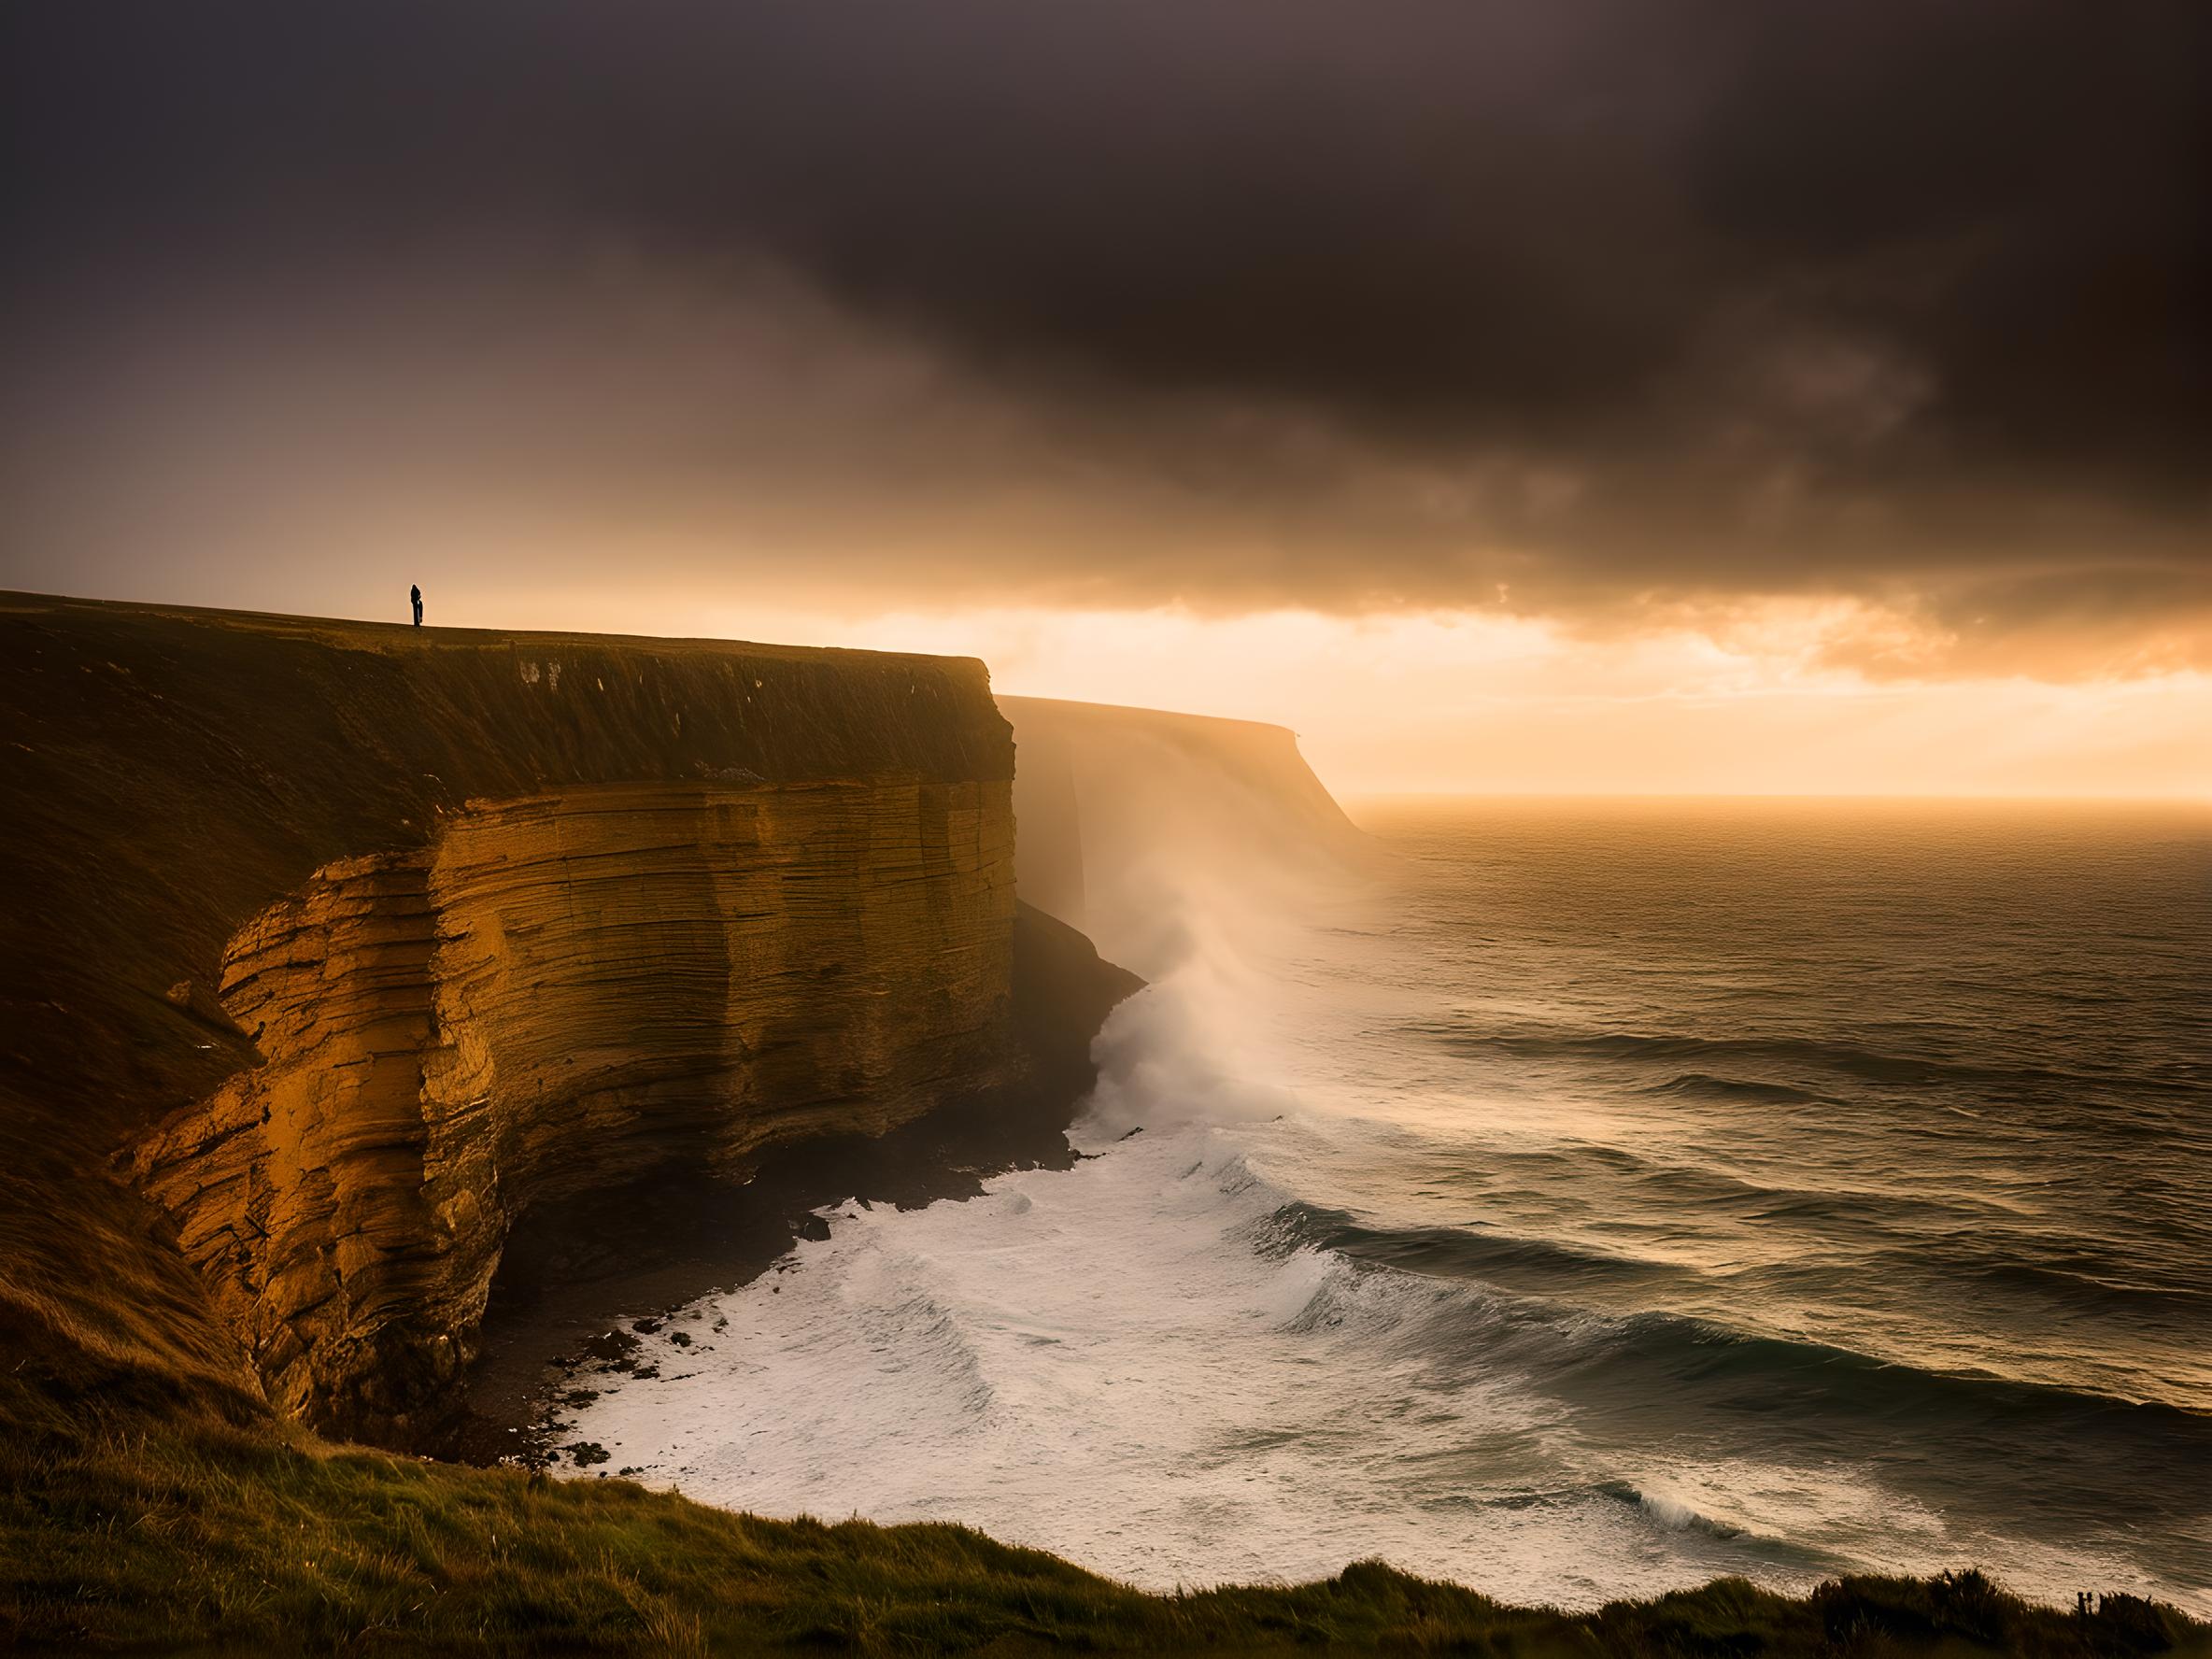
(557, 992)
(347, 944)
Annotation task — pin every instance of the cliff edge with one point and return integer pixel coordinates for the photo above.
(333, 949)
(1133, 819)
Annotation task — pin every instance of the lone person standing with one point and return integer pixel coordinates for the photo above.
(414, 598)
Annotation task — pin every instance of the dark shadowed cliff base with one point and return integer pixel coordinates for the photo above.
(356, 980)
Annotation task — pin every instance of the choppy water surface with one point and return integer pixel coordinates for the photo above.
(1611, 1197)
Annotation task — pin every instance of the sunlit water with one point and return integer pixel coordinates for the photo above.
(1609, 1197)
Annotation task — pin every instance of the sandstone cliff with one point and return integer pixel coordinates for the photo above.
(347, 944)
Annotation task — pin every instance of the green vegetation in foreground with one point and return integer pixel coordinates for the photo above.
(240, 1539)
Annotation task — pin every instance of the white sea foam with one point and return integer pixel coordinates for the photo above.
(1090, 1362)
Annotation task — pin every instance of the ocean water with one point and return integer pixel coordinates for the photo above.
(1596, 1200)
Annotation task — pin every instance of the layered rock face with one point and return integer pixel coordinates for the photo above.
(563, 992)
(345, 945)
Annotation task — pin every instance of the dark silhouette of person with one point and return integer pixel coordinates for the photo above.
(414, 598)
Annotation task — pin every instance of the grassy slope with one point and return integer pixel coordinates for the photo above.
(262, 1541)
(163, 774)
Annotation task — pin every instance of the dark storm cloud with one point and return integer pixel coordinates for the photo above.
(1751, 296)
